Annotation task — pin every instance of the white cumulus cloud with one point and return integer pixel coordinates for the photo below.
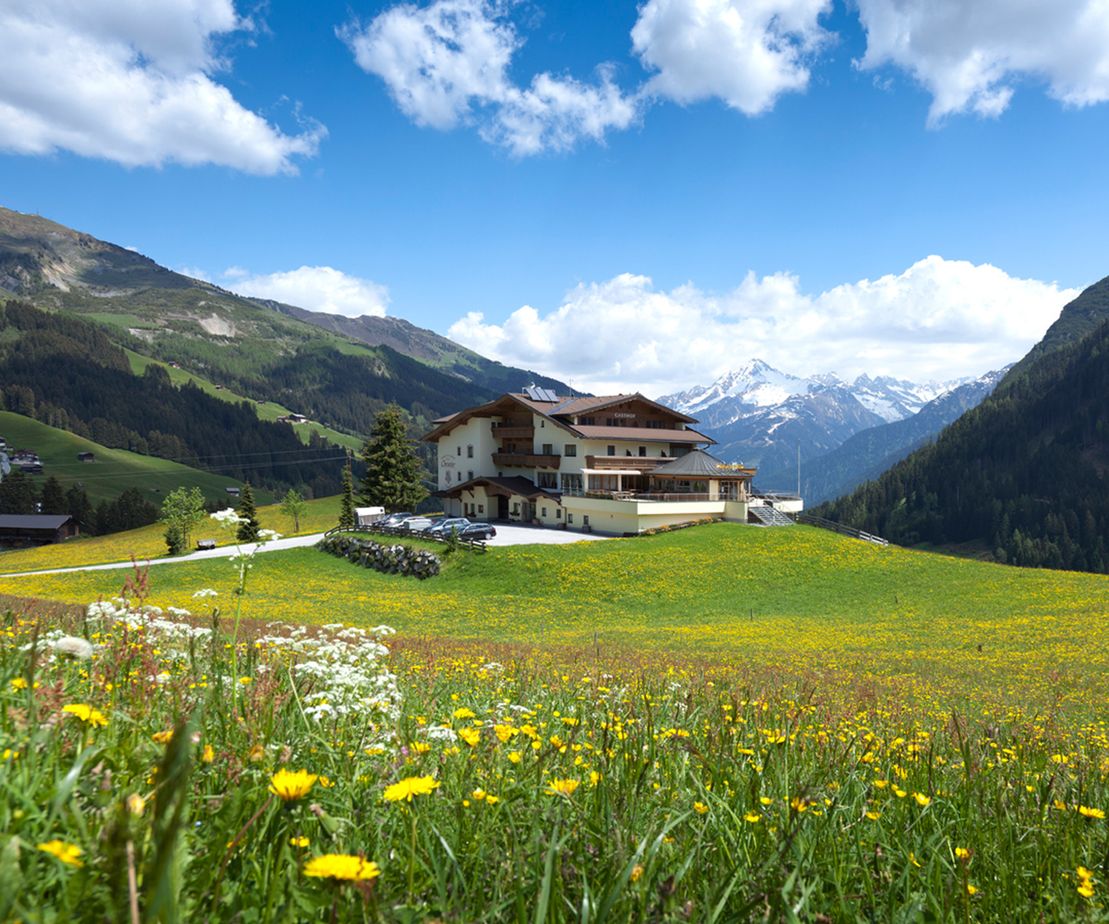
(447, 64)
(745, 52)
(317, 288)
(939, 319)
(970, 55)
(132, 81)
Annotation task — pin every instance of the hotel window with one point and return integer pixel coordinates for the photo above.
(642, 451)
(469, 452)
(460, 452)
(571, 483)
(612, 450)
(558, 513)
(548, 449)
(544, 514)
(469, 476)
(516, 509)
(481, 508)
(548, 480)
(571, 450)
(569, 518)
(587, 421)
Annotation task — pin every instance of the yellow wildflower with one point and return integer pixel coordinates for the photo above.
(752, 818)
(464, 713)
(1087, 812)
(342, 866)
(470, 735)
(208, 754)
(637, 871)
(162, 737)
(67, 853)
(922, 800)
(292, 785)
(962, 853)
(135, 804)
(411, 786)
(562, 787)
(87, 714)
(300, 841)
(700, 808)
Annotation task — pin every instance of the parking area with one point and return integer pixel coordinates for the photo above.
(515, 534)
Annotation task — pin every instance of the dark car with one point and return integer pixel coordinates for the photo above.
(477, 531)
(442, 526)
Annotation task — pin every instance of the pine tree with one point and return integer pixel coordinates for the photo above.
(248, 529)
(393, 470)
(346, 504)
(53, 496)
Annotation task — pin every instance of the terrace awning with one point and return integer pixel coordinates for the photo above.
(610, 471)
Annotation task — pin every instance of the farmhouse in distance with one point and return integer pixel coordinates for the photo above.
(616, 464)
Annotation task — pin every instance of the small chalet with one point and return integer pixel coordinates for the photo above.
(36, 528)
(86, 457)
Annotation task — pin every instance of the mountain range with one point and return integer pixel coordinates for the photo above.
(764, 417)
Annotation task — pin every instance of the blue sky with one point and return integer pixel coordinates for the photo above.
(744, 222)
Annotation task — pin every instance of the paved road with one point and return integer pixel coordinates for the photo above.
(226, 551)
(506, 535)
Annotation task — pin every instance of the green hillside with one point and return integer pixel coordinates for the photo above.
(114, 469)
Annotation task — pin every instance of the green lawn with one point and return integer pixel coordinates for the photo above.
(799, 598)
(114, 469)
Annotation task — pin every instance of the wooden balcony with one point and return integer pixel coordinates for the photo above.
(525, 460)
(513, 432)
(643, 464)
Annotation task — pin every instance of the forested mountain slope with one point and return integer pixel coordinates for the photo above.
(1025, 473)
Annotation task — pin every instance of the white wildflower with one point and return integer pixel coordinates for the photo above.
(227, 517)
(206, 592)
(73, 646)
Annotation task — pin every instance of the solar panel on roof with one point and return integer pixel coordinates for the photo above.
(548, 395)
(532, 391)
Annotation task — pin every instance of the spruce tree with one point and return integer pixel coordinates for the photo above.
(346, 504)
(53, 496)
(393, 470)
(248, 530)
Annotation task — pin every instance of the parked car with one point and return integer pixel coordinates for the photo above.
(415, 524)
(478, 531)
(395, 519)
(444, 525)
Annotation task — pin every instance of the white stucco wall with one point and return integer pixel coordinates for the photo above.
(478, 433)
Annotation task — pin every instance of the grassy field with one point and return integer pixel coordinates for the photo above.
(149, 541)
(797, 599)
(114, 469)
(267, 410)
(770, 725)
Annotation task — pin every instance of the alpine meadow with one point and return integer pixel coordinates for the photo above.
(477, 461)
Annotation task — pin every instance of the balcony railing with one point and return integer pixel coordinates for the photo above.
(514, 431)
(639, 463)
(526, 460)
(673, 497)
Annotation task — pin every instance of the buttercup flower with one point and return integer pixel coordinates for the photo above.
(562, 787)
(87, 714)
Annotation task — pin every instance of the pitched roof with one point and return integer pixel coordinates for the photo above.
(516, 484)
(33, 520)
(699, 464)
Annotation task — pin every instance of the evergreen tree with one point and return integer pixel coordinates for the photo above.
(346, 504)
(78, 506)
(393, 470)
(248, 530)
(18, 494)
(53, 497)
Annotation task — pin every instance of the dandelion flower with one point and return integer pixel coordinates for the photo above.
(922, 800)
(408, 788)
(87, 714)
(700, 808)
(1088, 812)
(752, 818)
(290, 786)
(342, 866)
(67, 853)
(562, 787)
(470, 735)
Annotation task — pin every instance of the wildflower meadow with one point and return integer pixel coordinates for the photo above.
(203, 764)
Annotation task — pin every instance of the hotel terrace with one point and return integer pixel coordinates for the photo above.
(620, 464)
